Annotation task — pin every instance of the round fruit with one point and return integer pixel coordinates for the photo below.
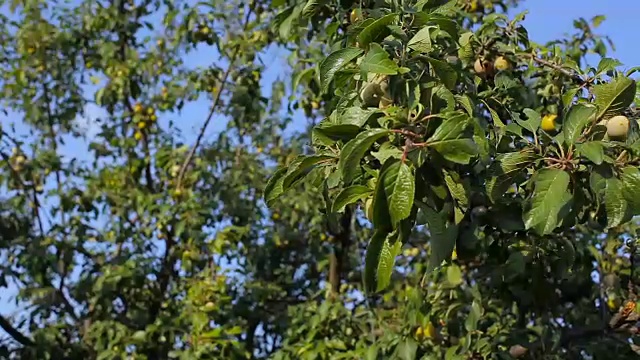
(371, 94)
(549, 122)
(137, 135)
(618, 127)
(430, 331)
(353, 17)
(483, 68)
(501, 63)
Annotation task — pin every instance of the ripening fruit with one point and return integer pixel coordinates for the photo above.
(549, 122)
(142, 125)
(275, 216)
(153, 117)
(618, 127)
(371, 94)
(353, 17)
(137, 135)
(501, 63)
(473, 6)
(151, 111)
(483, 68)
(205, 30)
(137, 108)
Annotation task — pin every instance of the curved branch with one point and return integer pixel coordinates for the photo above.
(14, 333)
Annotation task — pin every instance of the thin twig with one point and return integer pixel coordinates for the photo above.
(214, 106)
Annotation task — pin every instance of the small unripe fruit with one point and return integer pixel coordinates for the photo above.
(549, 122)
(371, 94)
(618, 127)
(501, 63)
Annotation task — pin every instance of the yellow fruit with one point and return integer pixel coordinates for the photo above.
(31, 50)
(353, 17)
(138, 108)
(153, 117)
(205, 30)
(419, 333)
(483, 68)
(142, 125)
(454, 255)
(549, 122)
(177, 193)
(501, 63)
(315, 105)
(275, 216)
(259, 150)
(430, 332)
(151, 111)
(119, 73)
(323, 237)
(88, 65)
(137, 135)
(611, 304)
(473, 6)
(618, 127)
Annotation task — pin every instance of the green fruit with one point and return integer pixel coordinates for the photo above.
(371, 94)
(618, 127)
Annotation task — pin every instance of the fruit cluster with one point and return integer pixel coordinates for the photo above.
(144, 118)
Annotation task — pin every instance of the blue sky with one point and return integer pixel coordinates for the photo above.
(547, 20)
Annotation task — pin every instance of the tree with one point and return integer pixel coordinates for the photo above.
(462, 187)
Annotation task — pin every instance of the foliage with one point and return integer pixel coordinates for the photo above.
(435, 216)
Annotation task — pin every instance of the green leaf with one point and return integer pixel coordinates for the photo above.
(453, 140)
(615, 203)
(400, 189)
(505, 169)
(533, 120)
(630, 177)
(355, 115)
(592, 150)
(300, 167)
(494, 116)
(354, 150)
(579, 116)
(607, 64)
(548, 198)
(476, 312)
(386, 151)
(377, 61)
(443, 236)
(349, 196)
(613, 97)
(380, 260)
(394, 195)
(377, 31)
(407, 349)
(445, 72)
(274, 188)
(421, 41)
(334, 62)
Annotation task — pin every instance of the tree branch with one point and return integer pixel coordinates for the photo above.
(14, 333)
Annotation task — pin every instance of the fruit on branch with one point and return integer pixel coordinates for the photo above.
(483, 68)
(373, 93)
(549, 122)
(618, 127)
(501, 63)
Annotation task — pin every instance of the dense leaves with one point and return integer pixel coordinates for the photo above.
(460, 191)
